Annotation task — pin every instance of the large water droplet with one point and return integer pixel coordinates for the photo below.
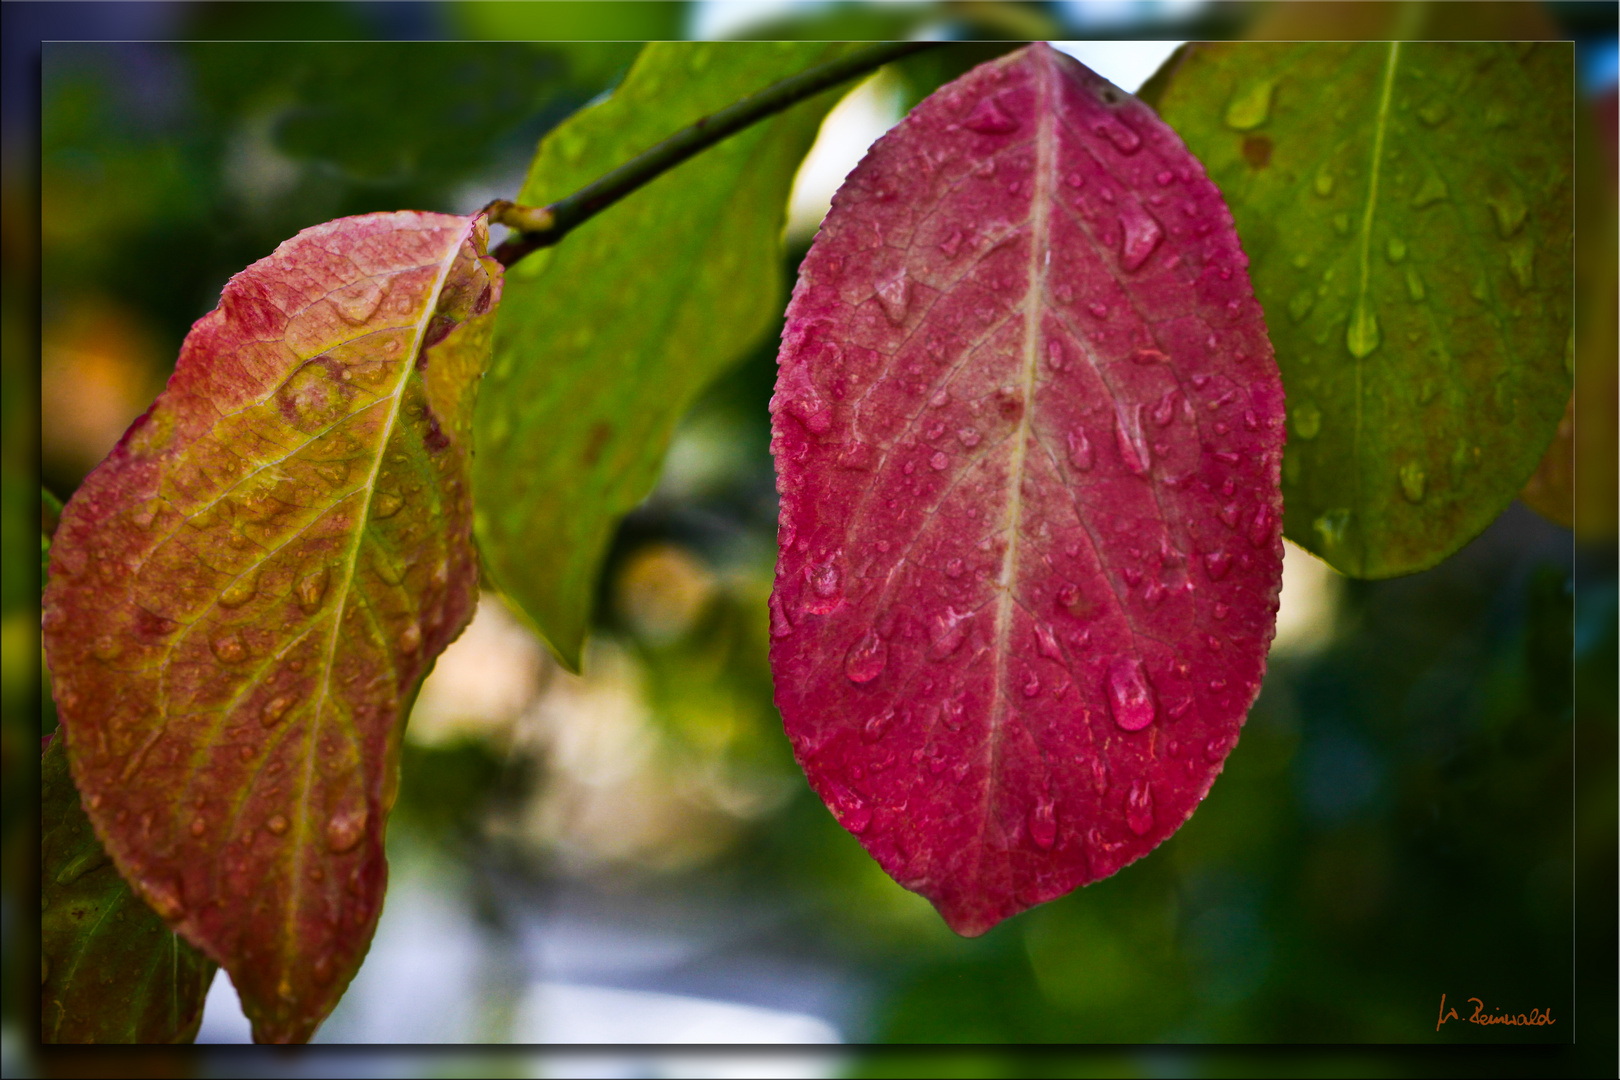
(1261, 526)
(274, 710)
(851, 810)
(1507, 203)
(1118, 133)
(312, 590)
(81, 864)
(1250, 107)
(386, 504)
(1361, 336)
(410, 639)
(939, 461)
(866, 658)
(1412, 481)
(388, 568)
(988, 118)
(947, 632)
(241, 590)
(166, 898)
(1139, 807)
(781, 625)
(825, 588)
(1142, 234)
(1129, 694)
(1431, 191)
(872, 731)
(1395, 249)
(1043, 824)
(345, 829)
(1046, 642)
(1217, 563)
(1081, 455)
(1332, 526)
(107, 647)
(1032, 683)
(1307, 420)
(358, 302)
(894, 294)
(229, 648)
(1133, 447)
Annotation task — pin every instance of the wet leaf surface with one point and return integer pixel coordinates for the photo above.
(246, 592)
(1407, 211)
(111, 971)
(606, 339)
(1027, 430)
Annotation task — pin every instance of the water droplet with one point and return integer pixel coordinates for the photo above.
(894, 294)
(1118, 133)
(198, 826)
(1165, 411)
(948, 631)
(1139, 807)
(345, 829)
(1361, 336)
(1129, 694)
(1142, 234)
(410, 639)
(1412, 480)
(107, 647)
(1043, 824)
(1431, 191)
(277, 825)
(1250, 107)
(1217, 563)
(1332, 526)
(951, 243)
(1414, 286)
(1395, 249)
(274, 710)
(312, 590)
(1521, 261)
(166, 899)
(1046, 642)
(1323, 184)
(806, 404)
(1341, 223)
(781, 625)
(387, 567)
(1434, 112)
(988, 118)
(1032, 683)
(1133, 448)
(229, 648)
(1307, 420)
(825, 586)
(1080, 452)
(939, 461)
(1507, 203)
(874, 727)
(81, 864)
(1221, 610)
(358, 302)
(386, 504)
(866, 658)
(968, 437)
(1301, 303)
(1261, 529)
(241, 590)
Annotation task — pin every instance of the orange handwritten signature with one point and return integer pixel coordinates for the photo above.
(1535, 1018)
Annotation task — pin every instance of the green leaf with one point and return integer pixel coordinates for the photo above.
(246, 593)
(1406, 209)
(110, 970)
(604, 340)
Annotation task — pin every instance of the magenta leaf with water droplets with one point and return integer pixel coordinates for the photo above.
(246, 593)
(1014, 660)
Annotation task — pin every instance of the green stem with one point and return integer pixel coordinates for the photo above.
(542, 226)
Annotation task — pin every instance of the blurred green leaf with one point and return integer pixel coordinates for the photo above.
(604, 340)
(1406, 210)
(111, 971)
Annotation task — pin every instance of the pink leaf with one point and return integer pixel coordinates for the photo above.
(1027, 428)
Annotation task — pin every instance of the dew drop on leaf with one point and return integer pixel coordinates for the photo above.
(1129, 694)
(1139, 807)
(866, 658)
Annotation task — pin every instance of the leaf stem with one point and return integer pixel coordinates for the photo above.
(542, 226)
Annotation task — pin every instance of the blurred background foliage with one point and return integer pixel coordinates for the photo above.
(1423, 801)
